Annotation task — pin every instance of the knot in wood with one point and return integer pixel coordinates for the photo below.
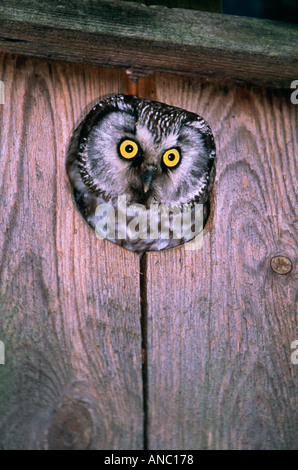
(281, 264)
(71, 427)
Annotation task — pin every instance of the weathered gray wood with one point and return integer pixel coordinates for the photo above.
(205, 5)
(69, 303)
(144, 39)
(220, 321)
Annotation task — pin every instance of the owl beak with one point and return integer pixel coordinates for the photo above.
(147, 177)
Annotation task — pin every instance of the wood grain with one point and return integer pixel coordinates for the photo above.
(70, 303)
(144, 39)
(220, 321)
(205, 5)
(217, 323)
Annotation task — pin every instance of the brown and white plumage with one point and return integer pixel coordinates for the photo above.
(159, 133)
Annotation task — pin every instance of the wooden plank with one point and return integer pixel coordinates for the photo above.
(205, 5)
(145, 39)
(70, 303)
(220, 321)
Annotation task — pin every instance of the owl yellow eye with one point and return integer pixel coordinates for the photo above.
(128, 149)
(171, 157)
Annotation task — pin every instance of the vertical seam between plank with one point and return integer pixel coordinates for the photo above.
(143, 319)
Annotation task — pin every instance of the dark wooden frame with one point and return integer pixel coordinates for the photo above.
(143, 39)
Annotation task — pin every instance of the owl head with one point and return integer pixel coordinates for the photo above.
(146, 150)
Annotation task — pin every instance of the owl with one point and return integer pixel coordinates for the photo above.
(141, 172)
